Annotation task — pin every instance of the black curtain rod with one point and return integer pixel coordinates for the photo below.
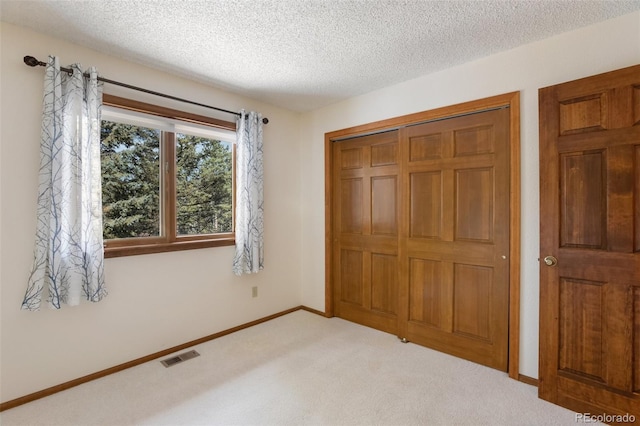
(33, 62)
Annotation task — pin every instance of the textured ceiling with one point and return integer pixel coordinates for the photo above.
(304, 54)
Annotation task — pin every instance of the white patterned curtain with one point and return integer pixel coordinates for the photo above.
(68, 260)
(249, 257)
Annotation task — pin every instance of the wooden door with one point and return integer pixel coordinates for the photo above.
(590, 243)
(455, 236)
(420, 225)
(365, 220)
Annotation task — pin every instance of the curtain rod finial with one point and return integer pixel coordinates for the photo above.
(33, 62)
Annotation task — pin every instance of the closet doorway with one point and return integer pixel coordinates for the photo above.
(423, 228)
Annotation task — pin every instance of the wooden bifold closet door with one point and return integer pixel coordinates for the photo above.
(366, 219)
(420, 220)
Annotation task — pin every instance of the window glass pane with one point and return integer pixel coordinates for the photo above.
(203, 185)
(130, 157)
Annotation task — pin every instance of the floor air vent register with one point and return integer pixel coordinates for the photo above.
(169, 362)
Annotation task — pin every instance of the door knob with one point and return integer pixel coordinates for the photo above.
(550, 261)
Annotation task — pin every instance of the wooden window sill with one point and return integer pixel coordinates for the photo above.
(133, 250)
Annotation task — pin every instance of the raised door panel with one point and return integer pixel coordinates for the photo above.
(426, 198)
(352, 206)
(384, 283)
(473, 295)
(426, 147)
(430, 293)
(351, 276)
(583, 209)
(384, 205)
(474, 141)
(619, 325)
(596, 330)
(384, 154)
(584, 114)
(474, 204)
(619, 194)
(352, 158)
(581, 325)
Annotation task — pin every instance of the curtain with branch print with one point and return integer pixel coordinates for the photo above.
(68, 260)
(249, 257)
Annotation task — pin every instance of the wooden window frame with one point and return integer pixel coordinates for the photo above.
(170, 241)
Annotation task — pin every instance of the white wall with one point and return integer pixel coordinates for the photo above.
(599, 48)
(155, 301)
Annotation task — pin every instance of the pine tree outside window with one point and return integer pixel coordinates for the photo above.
(167, 179)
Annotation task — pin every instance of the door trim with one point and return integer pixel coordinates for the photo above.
(511, 100)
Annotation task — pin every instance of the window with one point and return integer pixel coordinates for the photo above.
(167, 179)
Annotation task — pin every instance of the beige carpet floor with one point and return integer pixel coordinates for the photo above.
(300, 369)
